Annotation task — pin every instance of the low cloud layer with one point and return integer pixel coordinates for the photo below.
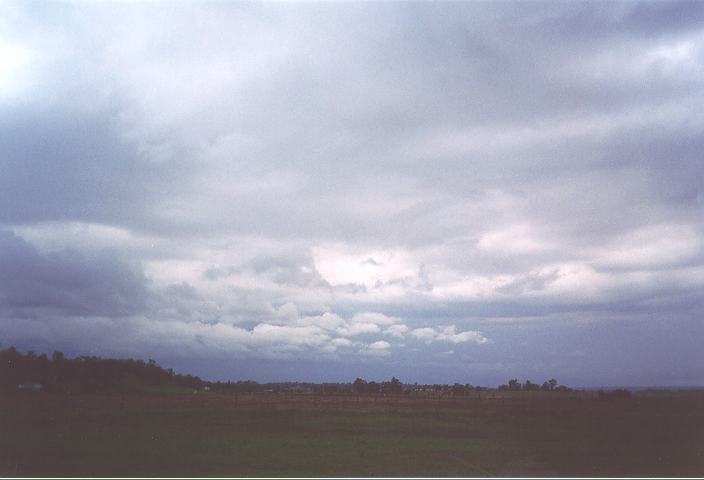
(441, 192)
(66, 282)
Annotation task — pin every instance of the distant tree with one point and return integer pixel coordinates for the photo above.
(10, 368)
(530, 386)
(395, 386)
(458, 390)
(514, 384)
(359, 385)
(553, 383)
(85, 374)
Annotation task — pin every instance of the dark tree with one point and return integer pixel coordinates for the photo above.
(395, 386)
(359, 385)
(529, 386)
(514, 384)
(85, 374)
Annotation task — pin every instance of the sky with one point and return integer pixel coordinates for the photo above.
(438, 191)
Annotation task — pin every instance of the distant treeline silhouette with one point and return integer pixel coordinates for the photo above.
(547, 386)
(391, 387)
(85, 374)
(89, 374)
(359, 386)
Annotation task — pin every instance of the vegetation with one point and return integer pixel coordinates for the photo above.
(288, 434)
(96, 375)
(362, 386)
(96, 417)
(548, 386)
(85, 374)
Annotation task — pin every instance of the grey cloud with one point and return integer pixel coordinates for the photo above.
(67, 283)
(315, 82)
(288, 270)
(499, 146)
(77, 167)
(529, 282)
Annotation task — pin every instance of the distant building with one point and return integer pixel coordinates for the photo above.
(34, 387)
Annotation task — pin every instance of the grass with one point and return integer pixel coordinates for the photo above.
(300, 435)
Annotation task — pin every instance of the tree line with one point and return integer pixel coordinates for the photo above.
(85, 374)
(547, 386)
(90, 374)
(393, 386)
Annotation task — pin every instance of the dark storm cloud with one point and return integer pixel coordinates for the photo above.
(63, 165)
(66, 283)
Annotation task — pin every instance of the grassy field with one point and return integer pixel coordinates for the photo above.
(304, 435)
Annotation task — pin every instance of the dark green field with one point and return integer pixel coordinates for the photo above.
(528, 434)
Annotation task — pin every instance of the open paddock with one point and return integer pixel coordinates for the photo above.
(284, 434)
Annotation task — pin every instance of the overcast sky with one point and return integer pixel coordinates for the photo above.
(444, 192)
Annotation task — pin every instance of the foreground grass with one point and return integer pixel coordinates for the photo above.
(268, 435)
